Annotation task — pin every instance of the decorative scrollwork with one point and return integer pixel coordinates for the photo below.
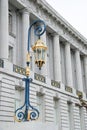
(31, 114)
(34, 115)
(39, 30)
(19, 114)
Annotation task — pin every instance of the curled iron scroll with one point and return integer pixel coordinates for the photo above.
(19, 114)
(32, 114)
(39, 30)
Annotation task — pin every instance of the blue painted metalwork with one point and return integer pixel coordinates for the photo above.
(39, 30)
(28, 112)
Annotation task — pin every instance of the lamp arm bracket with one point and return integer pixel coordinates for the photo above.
(39, 30)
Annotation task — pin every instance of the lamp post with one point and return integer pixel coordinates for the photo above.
(28, 112)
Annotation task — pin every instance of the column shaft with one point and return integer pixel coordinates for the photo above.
(57, 65)
(43, 70)
(69, 80)
(78, 71)
(4, 29)
(25, 27)
(85, 70)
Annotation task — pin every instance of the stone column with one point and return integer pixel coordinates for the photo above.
(25, 27)
(4, 29)
(78, 71)
(68, 66)
(85, 70)
(57, 65)
(43, 70)
(32, 53)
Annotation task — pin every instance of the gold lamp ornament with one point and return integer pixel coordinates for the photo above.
(39, 49)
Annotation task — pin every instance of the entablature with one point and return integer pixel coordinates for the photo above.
(57, 18)
(41, 9)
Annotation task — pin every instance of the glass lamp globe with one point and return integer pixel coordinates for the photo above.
(39, 52)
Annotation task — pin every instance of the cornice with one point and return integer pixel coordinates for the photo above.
(59, 19)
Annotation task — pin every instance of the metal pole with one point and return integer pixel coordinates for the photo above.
(30, 112)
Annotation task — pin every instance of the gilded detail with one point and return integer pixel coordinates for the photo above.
(55, 83)
(39, 78)
(18, 69)
(68, 89)
(79, 93)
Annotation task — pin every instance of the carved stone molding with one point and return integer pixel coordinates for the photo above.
(56, 96)
(40, 91)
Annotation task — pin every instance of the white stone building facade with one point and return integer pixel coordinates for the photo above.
(55, 88)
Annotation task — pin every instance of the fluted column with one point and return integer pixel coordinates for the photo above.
(78, 71)
(57, 65)
(85, 70)
(25, 27)
(69, 80)
(4, 29)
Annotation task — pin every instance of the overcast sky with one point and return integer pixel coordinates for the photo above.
(74, 11)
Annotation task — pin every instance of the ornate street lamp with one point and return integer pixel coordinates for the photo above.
(28, 112)
(40, 51)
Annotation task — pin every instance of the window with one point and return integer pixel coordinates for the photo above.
(49, 40)
(10, 22)
(83, 73)
(41, 106)
(19, 98)
(70, 115)
(81, 115)
(10, 56)
(73, 69)
(86, 110)
(56, 111)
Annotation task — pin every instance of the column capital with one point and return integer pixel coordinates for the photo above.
(24, 11)
(55, 34)
(77, 50)
(67, 43)
(56, 37)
